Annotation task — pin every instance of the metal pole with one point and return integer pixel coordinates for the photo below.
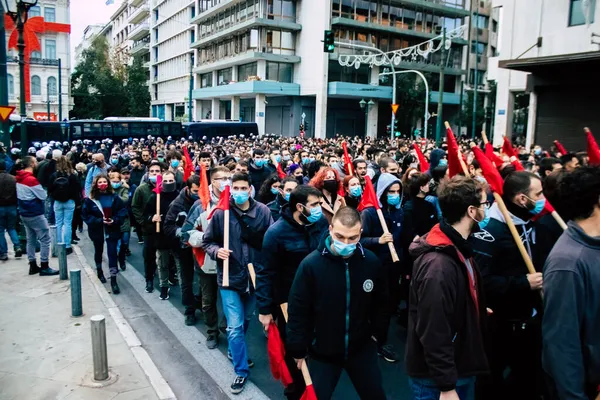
(190, 119)
(474, 118)
(462, 88)
(366, 120)
(4, 127)
(438, 130)
(62, 261)
(48, 99)
(21, 11)
(53, 239)
(76, 304)
(98, 324)
(59, 90)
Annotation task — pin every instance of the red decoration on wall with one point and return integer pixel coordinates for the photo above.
(33, 26)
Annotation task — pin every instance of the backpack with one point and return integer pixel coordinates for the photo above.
(61, 190)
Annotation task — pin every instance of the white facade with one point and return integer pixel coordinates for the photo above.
(44, 79)
(89, 34)
(561, 30)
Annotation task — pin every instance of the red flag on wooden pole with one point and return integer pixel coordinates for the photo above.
(592, 148)
(347, 161)
(561, 149)
(157, 189)
(507, 148)
(224, 205)
(454, 164)
(188, 167)
(276, 352)
(204, 192)
(489, 153)
(280, 172)
(423, 164)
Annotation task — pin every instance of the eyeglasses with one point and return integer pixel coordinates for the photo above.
(486, 204)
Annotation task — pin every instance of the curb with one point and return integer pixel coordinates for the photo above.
(159, 384)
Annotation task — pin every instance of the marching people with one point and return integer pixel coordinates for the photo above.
(66, 192)
(444, 346)
(104, 212)
(335, 317)
(288, 184)
(98, 167)
(353, 189)
(249, 221)
(122, 189)
(287, 242)
(8, 213)
(328, 182)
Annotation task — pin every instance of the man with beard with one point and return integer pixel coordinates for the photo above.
(287, 186)
(444, 347)
(259, 169)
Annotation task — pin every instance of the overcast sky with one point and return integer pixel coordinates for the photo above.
(88, 12)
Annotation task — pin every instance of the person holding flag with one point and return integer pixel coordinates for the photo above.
(246, 228)
(174, 161)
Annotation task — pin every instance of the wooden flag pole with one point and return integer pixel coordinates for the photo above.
(252, 274)
(386, 230)
(158, 211)
(484, 137)
(304, 368)
(559, 220)
(460, 159)
(226, 247)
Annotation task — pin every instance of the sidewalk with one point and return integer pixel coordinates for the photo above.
(47, 354)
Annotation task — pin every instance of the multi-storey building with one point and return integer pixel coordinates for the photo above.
(171, 57)
(42, 72)
(263, 61)
(549, 59)
(90, 33)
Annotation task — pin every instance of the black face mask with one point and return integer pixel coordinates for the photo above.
(300, 180)
(99, 163)
(330, 185)
(169, 187)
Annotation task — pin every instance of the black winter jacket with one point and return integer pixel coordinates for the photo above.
(446, 317)
(336, 304)
(181, 205)
(93, 217)
(162, 241)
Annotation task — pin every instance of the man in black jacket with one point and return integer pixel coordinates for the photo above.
(259, 168)
(444, 347)
(286, 243)
(288, 185)
(335, 311)
(512, 292)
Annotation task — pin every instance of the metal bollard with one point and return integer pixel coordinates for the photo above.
(99, 353)
(76, 304)
(61, 250)
(53, 240)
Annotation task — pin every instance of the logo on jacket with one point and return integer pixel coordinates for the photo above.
(484, 235)
(368, 286)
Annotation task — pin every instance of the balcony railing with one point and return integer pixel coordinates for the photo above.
(139, 14)
(139, 31)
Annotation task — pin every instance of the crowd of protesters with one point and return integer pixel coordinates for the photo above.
(340, 242)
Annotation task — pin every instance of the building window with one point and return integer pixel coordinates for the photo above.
(280, 72)
(51, 86)
(278, 41)
(156, 15)
(36, 54)
(577, 13)
(224, 76)
(206, 80)
(51, 49)
(494, 26)
(479, 77)
(11, 86)
(246, 71)
(35, 11)
(49, 14)
(192, 36)
(193, 11)
(480, 21)
(281, 9)
(477, 48)
(36, 85)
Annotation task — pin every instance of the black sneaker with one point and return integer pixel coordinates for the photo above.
(69, 250)
(114, 286)
(238, 384)
(387, 353)
(149, 286)
(250, 362)
(127, 252)
(190, 320)
(212, 341)
(4, 257)
(164, 293)
(173, 282)
(123, 267)
(33, 268)
(140, 241)
(18, 253)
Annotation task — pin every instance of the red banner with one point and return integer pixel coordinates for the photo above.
(43, 116)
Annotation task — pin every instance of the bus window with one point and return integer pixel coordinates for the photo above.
(153, 129)
(138, 129)
(121, 129)
(107, 130)
(75, 131)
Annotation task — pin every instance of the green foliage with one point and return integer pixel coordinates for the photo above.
(411, 98)
(467, 113)
(100, 88)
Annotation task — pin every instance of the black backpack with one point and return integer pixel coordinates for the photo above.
(61, 190)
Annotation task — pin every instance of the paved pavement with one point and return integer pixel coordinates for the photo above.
(46, 354)
(183, 359)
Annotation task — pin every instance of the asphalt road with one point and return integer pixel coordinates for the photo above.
(182, 357)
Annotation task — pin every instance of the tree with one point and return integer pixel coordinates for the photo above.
(467, 113)
(137, 89)
(411, 98)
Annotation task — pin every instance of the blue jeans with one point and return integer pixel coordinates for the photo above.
(123, 246)
(49, 210)
(8, 221)
(238, 309)
(426, 389)
(63, 212)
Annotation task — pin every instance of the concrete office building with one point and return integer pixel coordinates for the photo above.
(263, 61)
(41, 70)
(548, 63)
(90, 33)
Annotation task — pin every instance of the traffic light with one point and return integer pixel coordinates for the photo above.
(328, 42)
(396, 128)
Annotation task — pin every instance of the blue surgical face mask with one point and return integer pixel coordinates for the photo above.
(174, 163)
(116, 185)
(194, 196)
(223, 185)
(539, 206)
(443, 162)
(114, 161)
(486, 219)
(240, 197)
(275, 191)
(260, 162)
(393, 199)
(355, 191)
(343, 249)
(311, 159)
(286, 196)
(537, 152)
(278, 158)
(315, 214)
(287, 158)
(236, 159)
(335, 165)
(305, 160)
(152, 179)
(161, 159)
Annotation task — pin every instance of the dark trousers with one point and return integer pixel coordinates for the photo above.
(185, 262)
(77, 221)
(362, 368)
(209, 289)
(295, 390)
(149, 257)
(393, 276)
(111, 251)
(516, 347)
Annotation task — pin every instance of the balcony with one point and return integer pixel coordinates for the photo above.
(440, 7)
(244, 89)
(139, 31)
(140, 48)
(242, 58)
(139, 14)
(136, 3)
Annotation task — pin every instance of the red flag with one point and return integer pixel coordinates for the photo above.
(280, 171)
(276, 352)
(592, 148)
(188, 167)
(507, 148)
(203, 192)
(369, 198)
(158, 187)
(309, 393)
(491, 174)
(517, 164)
(489, 152)
(223, 201)
(454, 166)
(560, 148)
(347, 161)
(199, 254)
(423, 164)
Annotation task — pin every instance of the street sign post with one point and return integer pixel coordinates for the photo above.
(5, 112)
(395, 108)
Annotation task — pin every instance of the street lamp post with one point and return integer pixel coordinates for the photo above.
(366, 106)
(438, 129)
(20, 17)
